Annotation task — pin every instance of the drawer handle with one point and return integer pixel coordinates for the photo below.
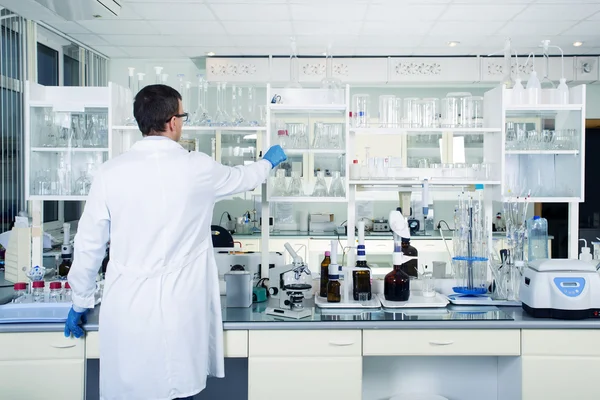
(441, 343)
(340, 343)
(63, 346)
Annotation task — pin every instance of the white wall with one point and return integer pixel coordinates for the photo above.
(118, 73)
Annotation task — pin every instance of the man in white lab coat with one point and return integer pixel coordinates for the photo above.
(160, 319)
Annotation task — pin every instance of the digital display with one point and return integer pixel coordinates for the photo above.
(570, 284)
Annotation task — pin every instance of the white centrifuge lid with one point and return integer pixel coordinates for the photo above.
(557, 264)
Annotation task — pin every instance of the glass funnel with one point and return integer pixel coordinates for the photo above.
(320, 189)
(337, 186)
(140, 81)
(330, 83)
(279, 186)
(296, 188)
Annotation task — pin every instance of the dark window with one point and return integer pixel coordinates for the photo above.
(47, 60)
(71, 71)
(50, 211)
(73, 210)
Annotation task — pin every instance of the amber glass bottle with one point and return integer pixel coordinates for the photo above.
(65, 265)
(334, 293)
(396, 285)
(361, 277)
(410, 267)
(325, 274)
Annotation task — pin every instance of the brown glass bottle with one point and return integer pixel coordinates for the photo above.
(65, 266)
(410, 267)
(325, 274)
(361, 277)
(396, 284)
(334, 292)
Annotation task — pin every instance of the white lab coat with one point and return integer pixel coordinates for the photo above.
(160, 320)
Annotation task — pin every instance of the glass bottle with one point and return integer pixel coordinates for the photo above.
(240, 112)
(337, 186)
(396, 284)
(294, 75)
(279, 183)
(55, 292)
(158, 75)
(200, 115)
(252, 120)
(38, 292)
(320, 189)
(65, 265)
(83, 184)
(20, 292)
(296, 187)
(331, 84)
(68, 293)
(140, 83)
(325, 274)
(334, 293)
(235, 120)
(361, 277)
(283, 136)
(187, 100)
(410, 267)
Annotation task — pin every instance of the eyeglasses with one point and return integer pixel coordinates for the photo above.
(184, 116)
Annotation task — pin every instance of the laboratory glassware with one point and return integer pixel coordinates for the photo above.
(297, 135)
(240, 113)
(324, 274)
(455, 110)
(361, 275)
(164, 78)
(279, 186)
(20, 292)
(67, 294)
(511, 136)
(360, 110)
(76, 131)
(428, 112)
(296, 188)
(320, 140)
(187, 100)
(388, 111)
(55, 292)
(396, 284)
(158, 75)
(337, 186)
(201, 117)
(50, 129)
(410, 114)
(548, 138)
(83, 183)
(334, 294)
(251, 108)
(475, 112)
(427, 282)
(320, 189)
(335, 136)
(294, 67)
(331, 84)
(537, 239)
(533, 89)
(37, 293)
(562, 92)
(283, 136)
(130, 120)
(140, 81)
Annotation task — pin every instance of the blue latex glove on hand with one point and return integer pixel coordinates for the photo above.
(275, 155)
(72, 326)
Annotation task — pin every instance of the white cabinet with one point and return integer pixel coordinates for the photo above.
(451, 69)
(560, 364)
(49, 358)
(300, 246)
(329, 364)
(247, 244)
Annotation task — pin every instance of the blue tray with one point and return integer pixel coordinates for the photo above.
(34, 312)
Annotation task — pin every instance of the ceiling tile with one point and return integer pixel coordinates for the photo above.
(496, 42)
(68, 27)
(328, 12)
(441, 41)
(594, 17)
(89, 39)
(257, 28)
(127, 12)
(583, 28)
(119, 27)
(558, 12)
(449, 29)
(384, 51)
(539, 30)
(329, 28)
(187, 28)
(142, 40)
(111, 51)
(335, 41)
(405, 28)
(261, 40)
(201, 51)
(173, 11)
(153, 52)
(397, 11)
(481, 12)
(443, 51)
(251, 12)
(388, 40)
(201, 40)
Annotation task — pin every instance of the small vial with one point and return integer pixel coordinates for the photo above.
(67, 292)
(20, 292)
(55, 292)
(38, 292)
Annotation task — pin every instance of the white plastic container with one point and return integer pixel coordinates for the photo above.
(534, 89)
(562, 92)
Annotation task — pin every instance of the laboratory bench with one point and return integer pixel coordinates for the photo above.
(498, 353)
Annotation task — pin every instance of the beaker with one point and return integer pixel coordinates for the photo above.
(388, 111)
(471, 273)
(320, 189)
(335, 136)
(337, 186)
(455, 110)
(297, 135)
(296, 188)
(410, 114)
(475, 112)
(360, 110)
(428, 112)
(279, 186)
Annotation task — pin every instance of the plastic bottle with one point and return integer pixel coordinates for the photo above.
(396, 284)
(518, 92)
(562, 92)
(67, 294)
(354, 170)
(537, 239)
(585, 254)
(361, 276)
(55, 292)
(325, 274)
(38, 292)
(534, 89)
(20, 293)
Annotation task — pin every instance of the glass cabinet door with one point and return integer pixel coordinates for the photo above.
(238, 147)
(424, 149)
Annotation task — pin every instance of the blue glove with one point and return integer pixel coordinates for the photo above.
(72, 326)
(275, 155)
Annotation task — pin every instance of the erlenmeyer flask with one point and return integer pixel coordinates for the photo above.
(279, 186)
(337, 186)
(83, 184)
(320, 140)
(296, 188)
(320, 189)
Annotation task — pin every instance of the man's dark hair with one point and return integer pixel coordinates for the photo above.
(153, 106)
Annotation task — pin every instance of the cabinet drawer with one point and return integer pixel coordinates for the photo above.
(431, 245)
(92, 348)
(249, 244)
(442, 342)
(379, 246)
(305, 343)
(566, 342)
(235, 344)
(40, 346)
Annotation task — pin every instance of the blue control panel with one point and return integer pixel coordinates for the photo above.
(570, 287)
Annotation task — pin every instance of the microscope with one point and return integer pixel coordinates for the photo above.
(288, 284)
